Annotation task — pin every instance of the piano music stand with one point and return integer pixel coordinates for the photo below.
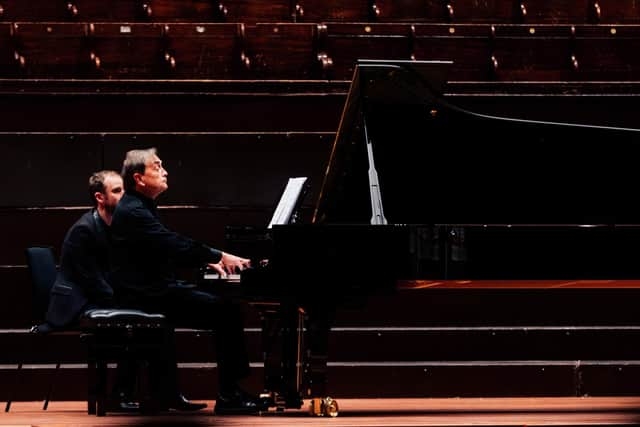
(287, 209)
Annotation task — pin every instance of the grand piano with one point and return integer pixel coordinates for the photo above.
(419, 189)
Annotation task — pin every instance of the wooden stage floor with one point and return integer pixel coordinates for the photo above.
(587, 411)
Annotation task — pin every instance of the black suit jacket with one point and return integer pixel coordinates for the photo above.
(84, 265)
(146, 253)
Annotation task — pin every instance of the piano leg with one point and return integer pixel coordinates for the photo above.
(316, 349)
(318, 324)
(270, 327)
(295, 344)
(292, 347)
(282, 329)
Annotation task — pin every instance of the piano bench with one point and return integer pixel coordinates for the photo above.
(112, 335)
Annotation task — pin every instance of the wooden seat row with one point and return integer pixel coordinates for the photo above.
(315, 51)
(110, 50)
(250, 11)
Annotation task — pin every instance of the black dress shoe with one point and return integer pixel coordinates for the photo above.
(239, 402)
(181, 403)
(122, 402)
(127, 406)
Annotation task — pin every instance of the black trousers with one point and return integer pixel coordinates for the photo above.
(186, 307)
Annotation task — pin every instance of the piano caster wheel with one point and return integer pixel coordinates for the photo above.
(326, 406)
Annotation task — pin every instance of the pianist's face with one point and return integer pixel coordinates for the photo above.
(154, 180)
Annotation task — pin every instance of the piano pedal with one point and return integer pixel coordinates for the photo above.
(321, 407)
(279, 402)
(268, 400)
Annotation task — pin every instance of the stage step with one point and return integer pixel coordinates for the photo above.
(375, 379)
(382, 362)
(378, 344)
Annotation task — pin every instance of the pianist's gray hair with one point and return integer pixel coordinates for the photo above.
(96, 184)
(134, 162)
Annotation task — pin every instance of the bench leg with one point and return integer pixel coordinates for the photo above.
(101, 389)
(51, 385)
(7, 408)
(92, 379)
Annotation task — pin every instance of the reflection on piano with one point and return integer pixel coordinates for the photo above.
(419, 189)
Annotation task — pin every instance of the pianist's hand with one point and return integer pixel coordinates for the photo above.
(230, 264)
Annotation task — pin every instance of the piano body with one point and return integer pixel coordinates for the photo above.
(419, 189)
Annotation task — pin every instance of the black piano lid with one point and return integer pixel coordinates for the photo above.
(440, 164)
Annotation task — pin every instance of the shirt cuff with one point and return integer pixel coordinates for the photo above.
(216, 255)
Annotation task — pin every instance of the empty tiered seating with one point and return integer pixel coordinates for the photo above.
(71, 50)
(607, 52)
(315, 51)
(614, 12)
(334, 10)
(114, 10)
(34, 10)
(184, 11)
(128, 51)
(8, 58)
(543, 52)
(468, 46)
(344, 43)
(83, 10)
(283, 51)
(110, 50)
(51, 49)
(507, 11)
(251, 11)
(205, 51)
(429, 10)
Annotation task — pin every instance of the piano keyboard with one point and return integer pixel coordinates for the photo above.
(216, 276)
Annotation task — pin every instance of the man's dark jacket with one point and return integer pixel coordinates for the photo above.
(146, 253)
(84, 266)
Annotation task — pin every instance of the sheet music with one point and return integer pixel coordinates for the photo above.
(288, 201)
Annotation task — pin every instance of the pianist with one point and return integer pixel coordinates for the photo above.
(145, 255)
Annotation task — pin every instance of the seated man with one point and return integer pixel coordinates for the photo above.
(145, 257)
(82, 283)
